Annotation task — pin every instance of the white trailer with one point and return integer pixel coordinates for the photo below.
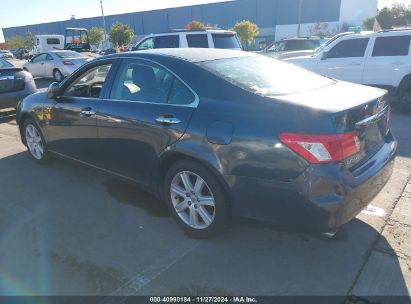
(45, 43)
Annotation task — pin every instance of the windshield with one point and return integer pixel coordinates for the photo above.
(65, 55)
(294, 45)
(266, 76)
(329, 41)
(5, 64)
(226, 41)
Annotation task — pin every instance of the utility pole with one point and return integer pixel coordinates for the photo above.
(104, 24)
(300, 10)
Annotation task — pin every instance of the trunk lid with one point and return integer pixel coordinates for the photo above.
(352, 108)
(78, 62)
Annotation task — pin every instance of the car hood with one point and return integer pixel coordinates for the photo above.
(334, 98)
(303, 53)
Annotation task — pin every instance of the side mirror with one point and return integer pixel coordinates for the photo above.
(53, 91)
(324, 55)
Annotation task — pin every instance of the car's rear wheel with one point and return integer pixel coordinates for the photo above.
(196, 199)
(35, 141)
(404, 94)
(57, 75)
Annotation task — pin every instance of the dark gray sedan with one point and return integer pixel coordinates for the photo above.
(15, 84)
(217, 133)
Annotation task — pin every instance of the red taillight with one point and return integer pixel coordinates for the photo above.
(319, 149)
(66, 62)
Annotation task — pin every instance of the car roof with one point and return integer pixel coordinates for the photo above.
(190, 54)
(378, 34)
(204, 31)
(302, 38)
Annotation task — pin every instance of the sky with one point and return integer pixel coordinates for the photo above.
(25, 12)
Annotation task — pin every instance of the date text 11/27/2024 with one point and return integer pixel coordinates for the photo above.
(203, 300)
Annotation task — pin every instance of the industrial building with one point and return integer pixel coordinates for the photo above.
(276, 18)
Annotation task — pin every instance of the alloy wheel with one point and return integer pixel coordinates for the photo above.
(58, 76)
(193, 200)
(34, 142)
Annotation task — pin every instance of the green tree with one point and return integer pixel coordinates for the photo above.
(195, 25)
(398, 15)
(246, 31)
(368, 23)
(385, 18)
(20, 42)
(401, 14)
(121, 34)
(96, 36)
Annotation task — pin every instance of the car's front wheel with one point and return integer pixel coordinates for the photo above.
(196, 199)
(57, 75)
(35, 141)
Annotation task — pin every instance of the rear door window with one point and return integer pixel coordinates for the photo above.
(165, 42)
(142, 82)
(392, 46)
(225, 41)
(349, 48)
(197, 40)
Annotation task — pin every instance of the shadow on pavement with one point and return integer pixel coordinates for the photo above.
(65, 233)
(401, 124)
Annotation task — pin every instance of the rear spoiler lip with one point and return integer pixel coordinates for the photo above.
(372, 119)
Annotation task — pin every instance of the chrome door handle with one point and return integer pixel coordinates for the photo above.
(87, 113)
(168, 120)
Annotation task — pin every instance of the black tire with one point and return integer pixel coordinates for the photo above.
(45, 157)
(404, 95)
(57, 75)
(221, 209)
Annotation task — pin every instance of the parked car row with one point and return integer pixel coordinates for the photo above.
(220, 133)
(55, 64)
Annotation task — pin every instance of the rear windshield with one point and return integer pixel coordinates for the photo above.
(65, 55)
(226, 41)
(5, 64)
(300, 45)
(266, 76)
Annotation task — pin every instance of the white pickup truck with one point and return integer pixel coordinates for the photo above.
(381, 59)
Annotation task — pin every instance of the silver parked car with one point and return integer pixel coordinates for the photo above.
(293, 47)
(5, 54)
(55, 64)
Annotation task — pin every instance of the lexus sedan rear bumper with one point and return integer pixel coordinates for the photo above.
(322, 198)
(11, 99)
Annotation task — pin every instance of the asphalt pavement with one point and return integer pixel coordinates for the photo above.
(68, 230)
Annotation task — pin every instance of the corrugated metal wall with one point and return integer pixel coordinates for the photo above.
(266, 13)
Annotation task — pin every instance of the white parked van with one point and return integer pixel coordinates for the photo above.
(381, 59)
(206, 38)
(46, 43)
